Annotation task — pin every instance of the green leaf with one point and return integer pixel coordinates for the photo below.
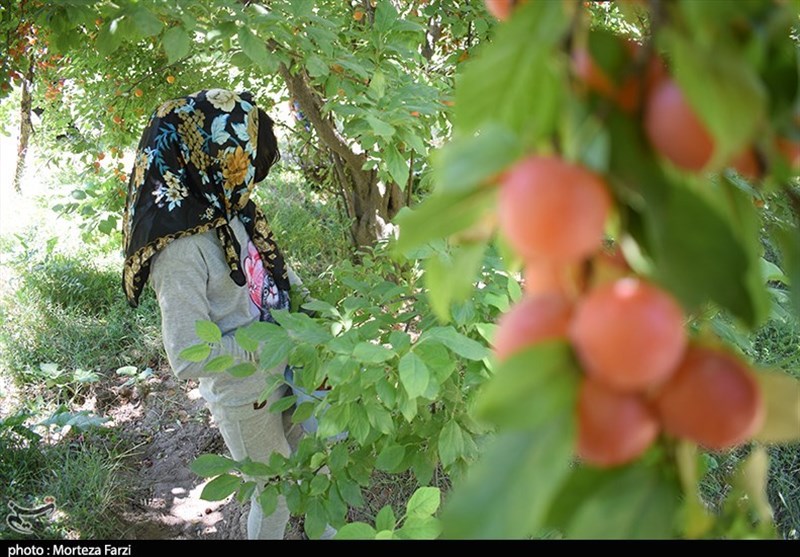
(678, 226)
(196, 353)
(303, 412)
(751, 477)
(695, 518)
(268, 499)
(345, 343)
(316, 519)
(380, 418)
(319, 484)
(219, 488)
(341, 370)
(301, 9)
(581, 484)
(486, 330)
(146, 23)
(690, 230)
(469, 162)
(450, 277)
(414, 374)
(790, 249)
(408, 407)
(439, 360)
(507, 493)
(316, 67)
(772, 272)
(370, 353)
(107, 226)
(261, 331)
(176, 43)
(517, 79)
(283, 404)
(245, 341)
(350, 492)
(400, 341)
(208, 331)
(385, 17)
(209, 465)
(274, 351)
(637, 504)
(442, 215)
(334, 421)
(514, 289)
(220, 363)
(377, 85)
(458, 343)
(390, 458)
(396, 164)
(609, 53)
(80, 421)
(531, 387)
(717, 84)
(781, 394)
(451, 443)
(320, 306)
(420, 528)
(255, 469)
(127, 371)
(110, 36)
(385, 520)
(245, 369)
(273, 382)
(245, 492)
(425, 502)
(254, 47)
(301, 327)
(356, 531)
(359, 424)
(86, 376)
(380, 128)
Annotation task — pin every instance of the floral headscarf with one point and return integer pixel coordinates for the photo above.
(197, 163)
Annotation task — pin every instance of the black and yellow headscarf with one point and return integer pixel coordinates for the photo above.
(197, 163)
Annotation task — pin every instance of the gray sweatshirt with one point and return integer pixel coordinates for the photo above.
(192, 281)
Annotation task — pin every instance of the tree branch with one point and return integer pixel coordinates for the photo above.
(311, 105)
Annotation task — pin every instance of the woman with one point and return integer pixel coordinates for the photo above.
(191, 228)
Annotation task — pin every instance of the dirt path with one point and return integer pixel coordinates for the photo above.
(168, 424)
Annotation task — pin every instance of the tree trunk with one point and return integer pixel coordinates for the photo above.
(371, 205)
(25, 126)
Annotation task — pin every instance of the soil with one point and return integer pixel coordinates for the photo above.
(168, 425)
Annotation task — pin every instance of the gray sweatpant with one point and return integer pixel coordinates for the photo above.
(255, 433)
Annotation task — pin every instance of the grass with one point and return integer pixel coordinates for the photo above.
(778, 345)
(308, 228)
(65, 328)
(82, 472)
(775, 345)
(89, 483)
(67, 310)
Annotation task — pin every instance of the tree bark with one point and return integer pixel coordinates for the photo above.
(370, 204)
(25, 125)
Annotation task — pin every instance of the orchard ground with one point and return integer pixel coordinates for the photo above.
(128, 477)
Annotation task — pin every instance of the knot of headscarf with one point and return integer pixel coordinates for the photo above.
(195, 168)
